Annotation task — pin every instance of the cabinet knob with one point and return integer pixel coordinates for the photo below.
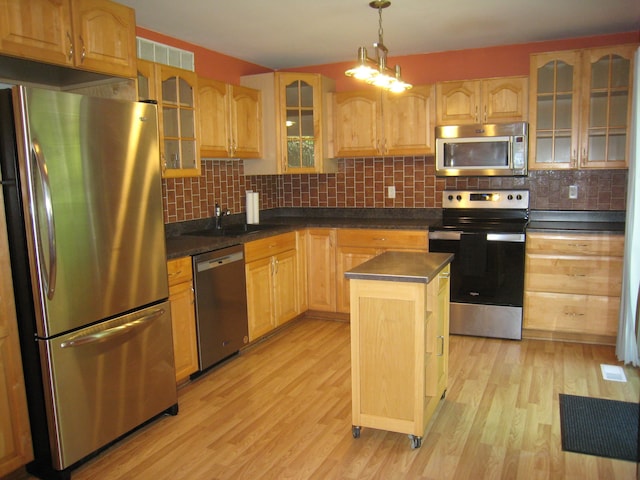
(70, 46)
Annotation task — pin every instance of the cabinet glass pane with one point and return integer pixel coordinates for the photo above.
(170, 122)
(188, 153)
(169, 91)
(172, 154)
(307, 123)
(544, 149)
(293, 123)
(291, 94)
(597, 146)
(617, 146)
(545, 112)
(562, 149)
(306, 95)
(186, 93)
(600, 73)
(545, 78)
(620, 72)
(563, 111)
(564, 77)
(187, 123)
(618, 112)
(300, 152)
(598, 109)
(293, 152)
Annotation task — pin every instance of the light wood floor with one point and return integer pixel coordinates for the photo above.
(281, 410)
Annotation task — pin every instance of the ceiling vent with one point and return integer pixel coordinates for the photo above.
(164, 54)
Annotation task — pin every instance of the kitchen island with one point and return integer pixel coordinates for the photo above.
(399, 341)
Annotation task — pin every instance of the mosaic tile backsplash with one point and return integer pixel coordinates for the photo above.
(363, 182)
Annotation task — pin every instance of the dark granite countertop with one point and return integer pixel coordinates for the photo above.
(181, 242)
(569, 221)
(401, 267)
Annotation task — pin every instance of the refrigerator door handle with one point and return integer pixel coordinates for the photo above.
(50, 273)
(105, 335)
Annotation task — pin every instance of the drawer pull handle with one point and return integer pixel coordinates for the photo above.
(382, 239)
(578, 244)
(441, 338)
(577, 275)
(445, 275)
(573, 314)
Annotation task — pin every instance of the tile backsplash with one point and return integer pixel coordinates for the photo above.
(363, 182)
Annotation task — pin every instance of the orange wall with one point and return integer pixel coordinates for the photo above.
(417, 69)
(209, 64)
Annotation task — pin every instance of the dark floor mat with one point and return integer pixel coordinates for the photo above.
(595, 426)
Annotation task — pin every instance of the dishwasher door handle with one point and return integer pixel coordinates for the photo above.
(216, 262)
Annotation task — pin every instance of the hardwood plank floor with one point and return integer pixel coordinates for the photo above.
(282, 410)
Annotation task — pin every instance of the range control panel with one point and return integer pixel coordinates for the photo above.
(485, 199)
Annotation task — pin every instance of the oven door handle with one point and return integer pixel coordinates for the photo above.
(491, 237)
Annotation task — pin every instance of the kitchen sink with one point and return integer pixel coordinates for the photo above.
(232, 230)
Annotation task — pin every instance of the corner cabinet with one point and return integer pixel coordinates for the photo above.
(175, 91)
(491, 100)
(294, 125)
(183, 317)
(230, 120)
(406, 321)
(272, 282)
(580, 108)
(93, 35)
(376, 123)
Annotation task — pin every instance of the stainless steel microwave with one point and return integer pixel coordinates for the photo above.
(499, 149)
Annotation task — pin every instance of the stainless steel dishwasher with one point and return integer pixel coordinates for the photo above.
(221, 304)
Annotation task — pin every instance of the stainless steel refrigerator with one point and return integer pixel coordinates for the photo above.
(83, 197)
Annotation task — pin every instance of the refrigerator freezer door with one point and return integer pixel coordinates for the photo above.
(92, 195)
(108, 379)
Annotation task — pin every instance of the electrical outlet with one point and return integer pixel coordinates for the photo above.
(391, 192)
(573, 192)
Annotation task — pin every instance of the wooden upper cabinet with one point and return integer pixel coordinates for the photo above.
(607, 76)
(492, 100)
(409, 121)
(37, 29)
(356, 130)
(95, 35)
(580, 103)
(177, 109)
(104, 35)
(373, 123)
(554, 110)
(246, 122)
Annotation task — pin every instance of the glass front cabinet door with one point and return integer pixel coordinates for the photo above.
(606, 107)
(554, 110)
(300, 101)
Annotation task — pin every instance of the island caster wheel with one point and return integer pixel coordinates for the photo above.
(355, 431)
(415, 441)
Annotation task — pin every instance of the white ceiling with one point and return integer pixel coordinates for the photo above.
(281, 34)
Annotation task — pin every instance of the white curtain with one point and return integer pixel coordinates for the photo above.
(628, 336)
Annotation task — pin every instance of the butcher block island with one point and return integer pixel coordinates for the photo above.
(399, 341)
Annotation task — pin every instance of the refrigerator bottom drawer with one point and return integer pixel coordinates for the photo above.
(106, 380)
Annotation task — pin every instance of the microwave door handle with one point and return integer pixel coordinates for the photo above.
(50, 274)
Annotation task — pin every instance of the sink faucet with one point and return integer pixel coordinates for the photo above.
(218, 214)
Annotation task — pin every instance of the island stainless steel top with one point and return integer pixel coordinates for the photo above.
(415, 267)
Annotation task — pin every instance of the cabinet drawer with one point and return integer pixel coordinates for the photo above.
(571, 313)
(576, 244)
(581, 275)
(269, 246)
(179, 270)
(385, 239)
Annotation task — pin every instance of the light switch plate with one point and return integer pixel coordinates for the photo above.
(391, 192)
(573, 192)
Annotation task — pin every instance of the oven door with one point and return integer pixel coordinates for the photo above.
(487, 281)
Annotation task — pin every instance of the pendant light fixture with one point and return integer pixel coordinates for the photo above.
(375, 71)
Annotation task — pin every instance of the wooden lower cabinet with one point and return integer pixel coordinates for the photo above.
(321, 268)
(183, 317)
(15, 433)
(399, 353)
(272, 283)
(572, 286)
